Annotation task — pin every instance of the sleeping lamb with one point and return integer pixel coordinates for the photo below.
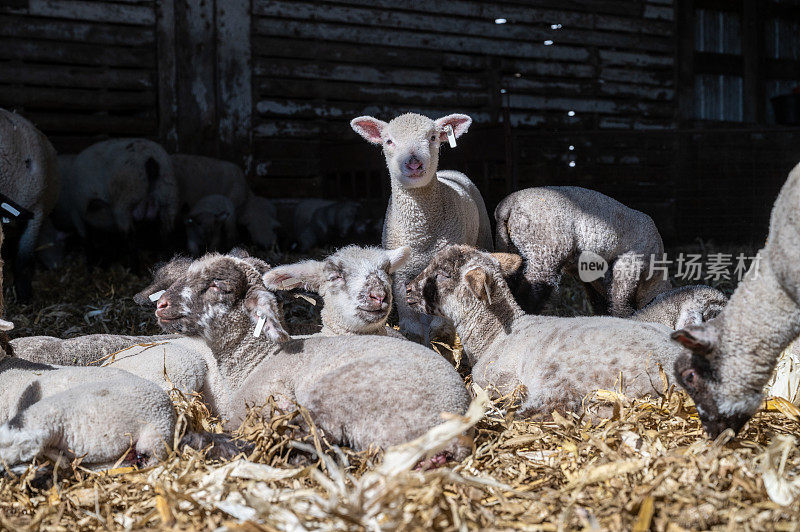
(686, 305)
(360, 390)
(730, 358)
(355, 283)
(29, 177)
(428, 209)
(551, 227)
(558, 360)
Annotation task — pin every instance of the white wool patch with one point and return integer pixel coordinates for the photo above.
(155, 296)
(747, 404)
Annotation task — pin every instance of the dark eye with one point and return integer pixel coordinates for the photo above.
(189, 221)
(690, 378)
(216, 285)
(389, 142)
(443, 275)
(433, 137)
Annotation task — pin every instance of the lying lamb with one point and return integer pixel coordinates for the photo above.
(116, 184)
(98, 413)
(361, 390)
(552, 226)
(558, 360)
(355, 283)
(731, 357)
(427, 209)
(211, 225)
(686, 305)
(29, 177)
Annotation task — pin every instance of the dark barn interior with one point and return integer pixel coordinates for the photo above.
(663, 105)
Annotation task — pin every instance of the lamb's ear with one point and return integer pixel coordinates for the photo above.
(370, 128)
(480, 284)
(163, 278)
(238, 253)
(699, 339)
(460, 124)
(398, 257)
(6, 325)
(262, 307)
(510, 263)
(308, 273)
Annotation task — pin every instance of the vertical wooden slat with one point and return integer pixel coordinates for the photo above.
(196, 82)
(234, 87)
(685, 60)
(167, 102)
(752, 47)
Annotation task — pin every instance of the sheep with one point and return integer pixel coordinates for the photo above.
(355, 284)
(116, 184)
(323, 222)
(730, 358)
(686, 305)
(200, 176)
(29, 177)
(428, 209)
(558, 360)
(260, 218)
(211, 224)
(360, 390)
(551, 227)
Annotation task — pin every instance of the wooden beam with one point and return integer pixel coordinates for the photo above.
(167, 75)
(234, 85)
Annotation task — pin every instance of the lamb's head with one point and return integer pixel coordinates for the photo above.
(221, 298)
(461, 280)
(723, 400)
(411, 143)
(210, 224)
(163, 277)
(355, 283)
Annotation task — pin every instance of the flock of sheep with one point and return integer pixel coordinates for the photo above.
(361, 381)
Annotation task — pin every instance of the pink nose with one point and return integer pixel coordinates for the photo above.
(162, 303)
(377, 296)
(414, 164)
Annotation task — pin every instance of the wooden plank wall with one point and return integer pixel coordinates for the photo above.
(317, 64)
(80, 69)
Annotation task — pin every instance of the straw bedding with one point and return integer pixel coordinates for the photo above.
(648, 467)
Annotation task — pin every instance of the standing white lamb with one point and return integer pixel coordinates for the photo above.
(730, 358)
(115, 184)
(355, 284)
(428, 209)
(551, 227)
(558, 360)
(29, 177)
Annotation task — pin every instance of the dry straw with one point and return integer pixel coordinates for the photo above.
(647, 467)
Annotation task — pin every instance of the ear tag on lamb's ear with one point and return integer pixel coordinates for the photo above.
(262, 320)
(305, 298)
(290, 282)
(451, 136)
(488, 293)
(157, 295)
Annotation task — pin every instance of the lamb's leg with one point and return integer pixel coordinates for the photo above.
(23, 265)
(626, 272)
(597, 301)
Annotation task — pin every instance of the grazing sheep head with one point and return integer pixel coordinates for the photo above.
(210, 225)
(355, 283)
(461, 277)
(220, 298)
(721, 403)
(163, 277)
(411, 143)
